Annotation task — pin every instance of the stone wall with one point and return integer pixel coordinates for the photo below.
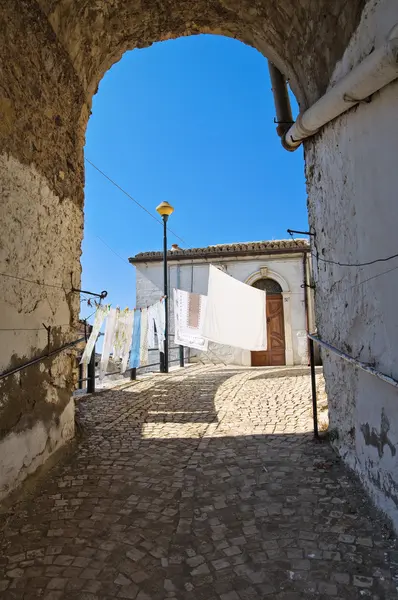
(41, 179)
(352, 185)
(304, 38)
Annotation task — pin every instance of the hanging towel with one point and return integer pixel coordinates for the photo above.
(144, 338)
(235, 313)
(151, 325)
(122, 332)
(160, 323)
(108, 341)
(135, 344)
(100, 315)
(122, 340)
(189, 311)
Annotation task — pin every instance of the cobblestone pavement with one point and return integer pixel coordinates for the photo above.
(202, 486)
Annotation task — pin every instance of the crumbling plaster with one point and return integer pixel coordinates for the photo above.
(304, 38)
(352, 181)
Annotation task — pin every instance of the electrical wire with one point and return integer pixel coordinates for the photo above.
(52, 285)
(112, 250)
(133, 199)
(355, 285)
(340, 264)
(52, 326)
(373, 277)
(364, 264)
(34, 328)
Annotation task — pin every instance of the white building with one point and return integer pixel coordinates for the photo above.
(280, 267)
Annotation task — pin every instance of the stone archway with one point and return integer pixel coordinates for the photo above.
(54, 53)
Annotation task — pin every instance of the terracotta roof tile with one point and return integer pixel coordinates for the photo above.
(268, 246)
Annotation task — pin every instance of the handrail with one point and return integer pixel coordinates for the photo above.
(127, 370)
(358, 363)
(344, 356)
(40, 358)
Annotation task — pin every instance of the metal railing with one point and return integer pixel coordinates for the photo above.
(366, 367)
(40, 358)
(91, 376)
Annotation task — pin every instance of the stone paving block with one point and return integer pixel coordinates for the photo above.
(232, 501)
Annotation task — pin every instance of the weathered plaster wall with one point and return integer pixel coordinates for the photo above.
(41, 179)
(149, 285)
(352, 183)
(305, 38)
(33, 413)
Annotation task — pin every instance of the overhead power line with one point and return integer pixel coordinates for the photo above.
(364, 264)
(133, 199)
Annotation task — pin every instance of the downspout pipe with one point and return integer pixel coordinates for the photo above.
(305, 286)
(284, 117)
(375, 72)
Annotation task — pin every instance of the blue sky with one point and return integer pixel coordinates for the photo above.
(189, 121)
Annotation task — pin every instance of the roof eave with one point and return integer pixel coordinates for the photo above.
(176, 256)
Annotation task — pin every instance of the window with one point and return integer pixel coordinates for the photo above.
(270, 286)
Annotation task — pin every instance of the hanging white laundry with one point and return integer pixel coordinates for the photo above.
(122, 339)
(152, 311)
(160, 322)
(189, 310)
(100, 315)
(108, 341)
(235, 313)
(144, 338)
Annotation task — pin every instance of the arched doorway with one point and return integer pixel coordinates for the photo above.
(276, 345)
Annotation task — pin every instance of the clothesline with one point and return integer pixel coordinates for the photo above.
(129, 333)
(232, 314)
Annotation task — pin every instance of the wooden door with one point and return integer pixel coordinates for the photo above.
(275, 353)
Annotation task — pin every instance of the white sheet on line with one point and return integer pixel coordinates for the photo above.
(108, 342)
(100, 316)
(122, 338)
(235, 313)
(144, 338)
(189, 312)
(160, 319)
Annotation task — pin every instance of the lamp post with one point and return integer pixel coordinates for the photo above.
(165, 210)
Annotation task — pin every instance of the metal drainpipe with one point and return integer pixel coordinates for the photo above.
(376, 70)
(305, 284)
(189, 349)
(181, 351)
(284, 117)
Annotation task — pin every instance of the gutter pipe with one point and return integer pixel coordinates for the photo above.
(305, 286)
(284, 117)
(375, 72)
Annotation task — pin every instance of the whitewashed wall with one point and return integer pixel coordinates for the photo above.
(194, 277)
(352, 184)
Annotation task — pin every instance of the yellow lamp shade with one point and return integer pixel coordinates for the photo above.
(165, 209)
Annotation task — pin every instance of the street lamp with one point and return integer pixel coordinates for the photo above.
(165, 210)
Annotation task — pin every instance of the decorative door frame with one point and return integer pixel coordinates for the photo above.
(266, 273)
